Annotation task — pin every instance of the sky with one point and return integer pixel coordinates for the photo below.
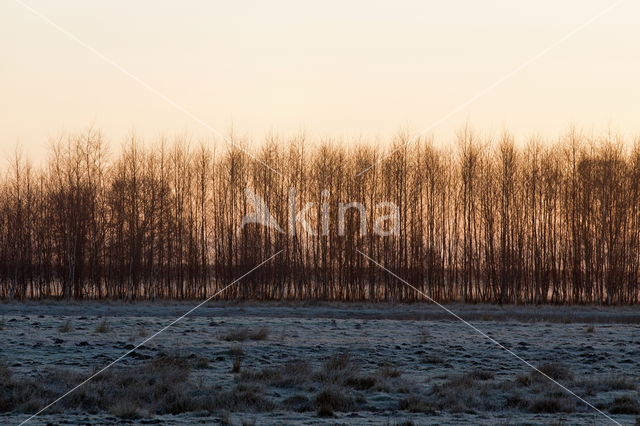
(346, 70)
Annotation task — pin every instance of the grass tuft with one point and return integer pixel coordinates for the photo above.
(556, 371)
(65, 327)
(103, 327)
(624, 405)
(415, 404)
(333, 399)
(552, 404)
(242, 334)
(390, 371)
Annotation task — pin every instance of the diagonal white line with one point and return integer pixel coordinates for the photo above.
(495, 84)
(149, 338)
(144, 84)
(482, 333)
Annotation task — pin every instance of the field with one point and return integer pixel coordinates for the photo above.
(276, 363)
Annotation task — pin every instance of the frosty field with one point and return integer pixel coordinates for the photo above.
(317, 364)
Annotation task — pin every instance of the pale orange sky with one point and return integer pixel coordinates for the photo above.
(332, 68)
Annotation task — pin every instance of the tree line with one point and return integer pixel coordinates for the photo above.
(479, 220)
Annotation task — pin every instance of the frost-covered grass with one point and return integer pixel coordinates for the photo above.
(242, 334)
(295, 366)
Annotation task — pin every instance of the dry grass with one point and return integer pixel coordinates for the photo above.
(552, 404)
(291, 374)
(241, 398)
(556, 371)
(340, 377)
(236, 350)
(624, 405)
(478, 390)
(103, 326)
(433, 359)
(337, 377)
(338, 362)
(333, 399)
(237, 355)
(243, 334)
(594, 385)
(5, 372)
(5, 387)
(461, 393)
(415, 404)
(481, 374)
(128, 410)
(424, 336)
(360, 382)
(337, 369)
(388, 370)
(515, 400)
(298, 402)
(236, 365)
(400, 423)
(65, 327)
(339, 384)
(160, 386)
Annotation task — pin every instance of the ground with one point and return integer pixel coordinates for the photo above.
(318, 363)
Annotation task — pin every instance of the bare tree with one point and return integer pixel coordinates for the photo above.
(478, 220)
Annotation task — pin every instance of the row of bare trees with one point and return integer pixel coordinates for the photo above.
(478, 220)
